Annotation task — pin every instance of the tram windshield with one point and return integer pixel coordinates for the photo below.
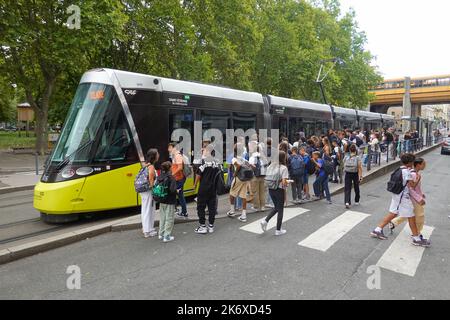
(96, 130)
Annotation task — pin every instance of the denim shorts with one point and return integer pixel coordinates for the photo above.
(305, 178)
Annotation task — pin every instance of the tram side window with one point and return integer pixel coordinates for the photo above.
(321, 128)
(244, 121)
(216, 120)
(181, 119)
(295, 126)
(283, 126)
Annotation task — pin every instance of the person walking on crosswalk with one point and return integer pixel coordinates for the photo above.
(353, 175)
(277, 182)
(401, 205)
(417, 196)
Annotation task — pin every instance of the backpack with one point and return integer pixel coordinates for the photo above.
(160, 190)
(221, 187)
(297, 166)
(310, 167)
(141, 183)
(187, 170)
(245, 172)
(395, 184)
(351, 164)
(273, 177)
(359, 141)
(328, 166)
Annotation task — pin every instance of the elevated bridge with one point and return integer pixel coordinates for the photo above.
(411, 93)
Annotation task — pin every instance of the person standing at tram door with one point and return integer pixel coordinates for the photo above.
(177, 173)
(148, 205)
(353, 175)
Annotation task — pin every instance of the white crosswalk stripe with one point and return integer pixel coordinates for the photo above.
(402, 257)
(289, 213)
(324, 238)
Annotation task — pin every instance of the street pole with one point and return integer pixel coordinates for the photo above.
(321, 78)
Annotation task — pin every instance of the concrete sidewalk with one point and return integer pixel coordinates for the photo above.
(11, 162)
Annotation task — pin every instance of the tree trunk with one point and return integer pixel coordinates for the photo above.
(41, 132)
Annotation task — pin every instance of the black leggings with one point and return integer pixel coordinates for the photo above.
(278, 201)
(351, 178)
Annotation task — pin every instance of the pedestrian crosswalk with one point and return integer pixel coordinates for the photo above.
(324, 238)
(289, 213)
(400, 257)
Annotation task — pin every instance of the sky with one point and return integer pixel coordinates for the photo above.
(408, 37)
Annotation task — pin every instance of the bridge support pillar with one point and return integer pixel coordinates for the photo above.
(407, 105)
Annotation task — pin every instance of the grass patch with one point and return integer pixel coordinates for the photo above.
(9, 140)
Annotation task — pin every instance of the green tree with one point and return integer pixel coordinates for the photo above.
(39, 48)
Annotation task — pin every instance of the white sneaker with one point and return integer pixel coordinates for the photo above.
(169, 239)
(151, 234)
(347, 205)
(264, 225)
(357, 204)
(201, 230)
(269, 205)
(211, 229)
(280, 232)
(160, 237)
(146, 235)
(263, 209)
(231, 213)
(243, 218)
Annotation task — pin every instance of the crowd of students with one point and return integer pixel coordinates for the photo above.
(337, 157)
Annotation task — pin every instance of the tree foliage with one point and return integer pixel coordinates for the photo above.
(268, 46)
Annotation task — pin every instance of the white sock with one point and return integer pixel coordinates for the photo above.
(378, 229)
(244, 213)
(232, 208)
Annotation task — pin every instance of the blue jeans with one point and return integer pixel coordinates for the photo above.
(181, 199)
(320, 185)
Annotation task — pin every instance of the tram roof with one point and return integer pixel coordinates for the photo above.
(298, 104)
(387, 116)
(368, 114)
(131, 80)
(348, 111)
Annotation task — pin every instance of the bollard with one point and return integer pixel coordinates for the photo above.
(36, 158)
(387, 153)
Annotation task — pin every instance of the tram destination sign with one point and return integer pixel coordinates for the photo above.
(177, 100)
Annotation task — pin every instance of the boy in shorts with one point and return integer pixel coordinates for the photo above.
(402, 205)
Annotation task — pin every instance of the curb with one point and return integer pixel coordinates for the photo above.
(39, 246)
(16, 189)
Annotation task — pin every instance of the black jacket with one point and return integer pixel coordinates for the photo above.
(169, 180)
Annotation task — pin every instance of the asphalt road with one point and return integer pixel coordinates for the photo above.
(236, 264)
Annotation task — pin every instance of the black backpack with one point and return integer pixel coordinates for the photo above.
(328, 166)
(221, 187)
(245, 172)
(395, 184)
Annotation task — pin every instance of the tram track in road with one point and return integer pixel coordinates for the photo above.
(30, 235)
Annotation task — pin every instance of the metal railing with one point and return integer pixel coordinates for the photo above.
(392, 151)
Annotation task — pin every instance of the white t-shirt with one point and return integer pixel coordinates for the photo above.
(254, 160)
(401, 203)
(276, 170)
